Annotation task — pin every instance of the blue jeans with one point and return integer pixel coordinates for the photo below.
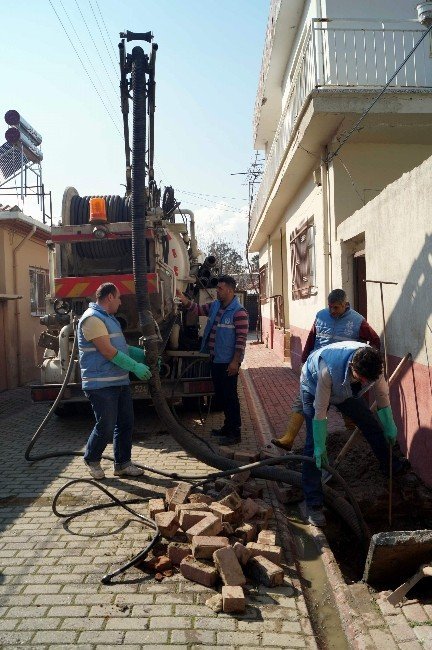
(113, 411)
(357, 409)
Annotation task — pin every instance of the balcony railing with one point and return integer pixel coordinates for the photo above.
(338, 57)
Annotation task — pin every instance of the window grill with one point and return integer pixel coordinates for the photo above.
(302, 245)
(38, 289)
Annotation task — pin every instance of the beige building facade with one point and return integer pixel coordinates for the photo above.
(23, 286)
(324, 63)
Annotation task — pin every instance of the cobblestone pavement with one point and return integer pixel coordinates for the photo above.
(371, 621)
(51, 595)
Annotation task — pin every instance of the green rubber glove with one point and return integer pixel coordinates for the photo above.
(320, 438)
(125, 362)
(137, 354)
(386, 418)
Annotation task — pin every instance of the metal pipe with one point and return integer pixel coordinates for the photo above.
(17, 309)
(193, 240)
(64, 345)
(326, 216)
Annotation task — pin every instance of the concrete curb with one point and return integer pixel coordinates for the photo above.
(351, 619)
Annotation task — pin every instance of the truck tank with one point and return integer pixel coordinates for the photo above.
(85, 252)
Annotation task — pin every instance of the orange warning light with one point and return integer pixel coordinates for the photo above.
(97, 210)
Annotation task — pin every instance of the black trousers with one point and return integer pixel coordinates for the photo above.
(226, 394)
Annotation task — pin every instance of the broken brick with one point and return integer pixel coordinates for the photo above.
(208, 526)
(241, 477)
(204, 546)
(233, 599)
(223, 512)
(229, 567)
(221, 482)
(168, 494)
(267, 537)
(232, 501)
(252, 490)
(162, 564)
(215, 603)
(197, 571)
(227, 529)
(228, 489)
(265, 571)
(264, 510)
(272, 553)
(200, 498)
(188, 518)
(167, 523)
(246, 532)
(260, 524)
(246, 457)
(180, 494)
(243, 554)
(250, 508)
(155, 506)
(191, 507)
(177, 551)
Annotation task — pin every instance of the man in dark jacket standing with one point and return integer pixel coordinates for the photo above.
(225, 340)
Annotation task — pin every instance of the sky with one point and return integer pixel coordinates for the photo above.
(207, 72)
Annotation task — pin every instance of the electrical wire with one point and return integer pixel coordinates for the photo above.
(106, 29)
(88, 57)
(85, 69)
(104, 42)
(214, 196)
(352, 181)
(216, 206)
(96, 47)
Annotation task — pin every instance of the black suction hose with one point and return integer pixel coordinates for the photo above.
(194, 445)
(140, 269)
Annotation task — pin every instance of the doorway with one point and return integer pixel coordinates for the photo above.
(3, 367)
(359, 278)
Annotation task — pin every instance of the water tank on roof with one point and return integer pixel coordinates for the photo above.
(424, 13)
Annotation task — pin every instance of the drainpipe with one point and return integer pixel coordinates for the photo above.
(326, 217)
(17, 309)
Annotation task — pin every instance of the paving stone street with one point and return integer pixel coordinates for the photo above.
(51, 592)
(51, 595)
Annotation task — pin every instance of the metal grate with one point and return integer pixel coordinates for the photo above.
(10, 161)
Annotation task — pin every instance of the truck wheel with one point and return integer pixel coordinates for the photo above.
(67, 410)
(193, 403)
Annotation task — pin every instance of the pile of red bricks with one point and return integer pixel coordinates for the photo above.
(217, 537)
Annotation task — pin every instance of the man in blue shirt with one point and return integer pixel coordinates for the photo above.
(106, 360)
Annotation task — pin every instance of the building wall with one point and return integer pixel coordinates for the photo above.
(361, 171)
(299, 314)
(32, 254)
(397, 229)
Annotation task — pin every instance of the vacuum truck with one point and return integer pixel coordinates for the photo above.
(92, 244)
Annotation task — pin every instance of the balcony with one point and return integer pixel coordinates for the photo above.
(335, 56)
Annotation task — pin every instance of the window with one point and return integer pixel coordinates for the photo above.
(279, 314)
(263, 286)
(38, 290)
(302, 244)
